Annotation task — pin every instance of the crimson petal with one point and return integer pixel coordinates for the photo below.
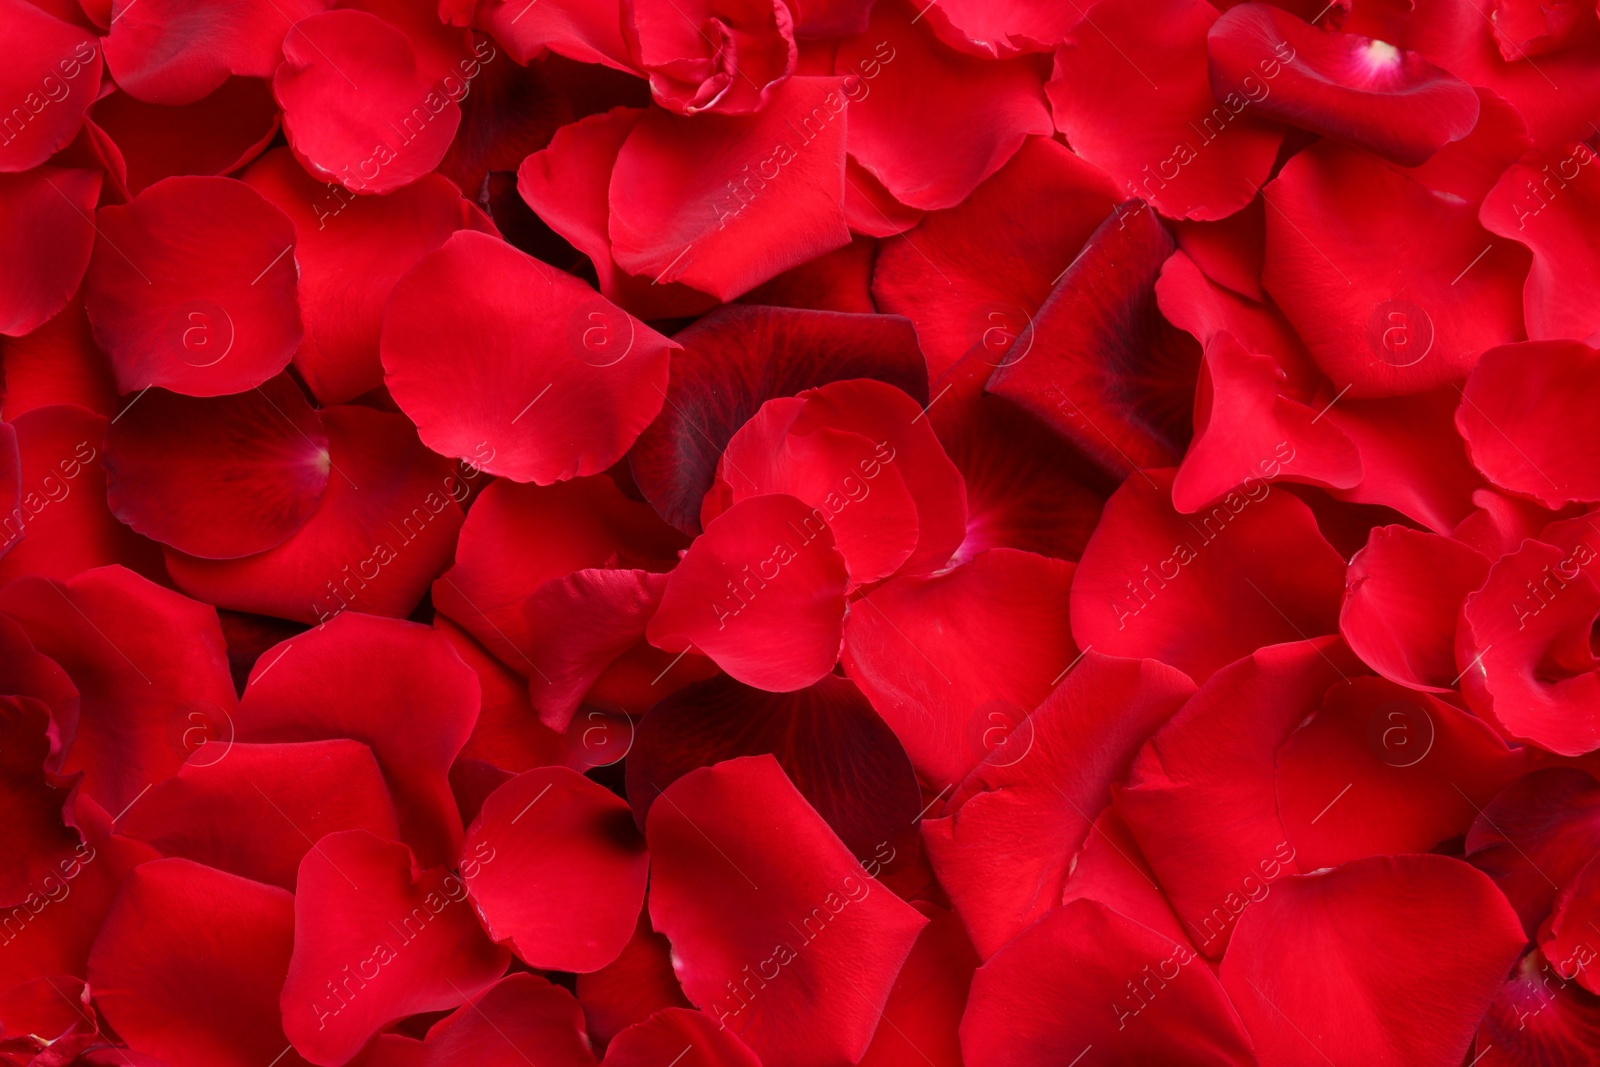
(51, 77)
(657, 1039)
(1540, 1018)
(169, 52)
(217, 134)
(46, 238)
(1535, 837)
(518, 1017)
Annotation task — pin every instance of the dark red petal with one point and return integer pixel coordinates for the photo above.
(218, 477)
(351, 250)
(27, 672)
(1246, 428)
(1132, 95)
(1201, 800)
(46, 238)
(709, 56)
(1098, 362)
(1567, 936)
(997, 30)
(1387, 961)
(724, 202)
(215, 135)
(657, 1039)
(360, 106)
(1200, 591)
(761, 592)
(398, 688)
(519, 537)
(1512, 409)
(508, 734)
(1402, 595)
(833, 746)
(51, 78)
(1535, 837)
(193, 287)
(167, 52)
(976, 272)
(65, 525)
(1341, 85)
(923, 1013)
(377, 938)
(384, 528)
(288, 795)
(562, 889)
(1564, 283)
(1027, 808)
(479, 333)
(830, 18)
(36, 834)
(828, 469)
(1415, 316)
(869, 208)
(143, 659)
(1083, 978)
(1470, 167)
(1109, 868)
(1523, 648)
(766, 909)
(944, 659)
(521, 1019)
(841, 280)
(1027, 487)
(1379, 770)
(57, 363)
(928, 122)
(1540, 1018)
(737, 358)
(54, 1010)
(196, 999)
(632, 987)
(578, 29)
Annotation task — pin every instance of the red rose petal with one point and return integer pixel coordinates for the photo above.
(1567, 937)
(361, 106)
(1513, 404)
(1387, 961)
(1403, 593)
(167, 52)
(1201, 800)
(196, 999)
(57, 363)
(1056, 991)
(1110, 868)
(835, 749)
(221, 477)
(632, 987)
(1004, 29)
(1411, 319)
(975, 273)
(192, 287)
(1535, 837)
(214, 135)
(1364, 91)
(46, 238)
(1379, 770)
(738, 856)
(376, 938)
(737, 358)
(142, 657)
(1199, 592)
(1098, 363)
(562, 889)
(27, 672)
(519, 1017)
(577, 29)
(1524, 649)
(288, 795)
(351, 250)
(383, 529)
(535, 331)
(923, 1014)
(519, 537)
(36, 834)
(724, 202)
(761, 592)
(1027, 807)
(51, 79)
(928, 122)
(1470, 167)
(1132, 95)
(508, 735)
(397, 687)
(657, 1039)
(944, 659)
(1539, 1017)
(714, 55)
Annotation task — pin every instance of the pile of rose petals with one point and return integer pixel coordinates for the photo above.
(722, 533)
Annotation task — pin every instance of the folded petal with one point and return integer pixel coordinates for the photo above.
(761, 592)
(376, 938)
(946, 658)
(1132, 95)
(45, 241)
(1566, 938)
(1200, 591)
(1004, 29)
(398, 688)
(1535, 837)
(1540, 1017)
(519, 1017)
(723, 56)
(1387, 961)
(193, 287)
(738, 858)
(564, 888)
